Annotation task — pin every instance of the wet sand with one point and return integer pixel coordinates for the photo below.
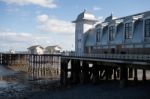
(11, 89)
(108, 90)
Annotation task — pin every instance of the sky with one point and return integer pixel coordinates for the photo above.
(24, 23)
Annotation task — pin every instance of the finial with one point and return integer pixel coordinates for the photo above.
(111, 13)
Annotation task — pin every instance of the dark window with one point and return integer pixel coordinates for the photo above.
(98, 32)
(79, 40)
(128, 30)
(147, 28)
(111, 33)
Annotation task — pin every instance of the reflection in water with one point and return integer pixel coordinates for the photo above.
(10, 85)
(45, 71)
(19, 80)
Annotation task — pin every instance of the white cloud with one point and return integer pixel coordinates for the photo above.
(42, 18)
(18, 40)
(42, 3)
(21, 41)
(53, 25)
(95, 8)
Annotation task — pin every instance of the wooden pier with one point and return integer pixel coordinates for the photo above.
(81, 69)
(96, 68)
(37, 66)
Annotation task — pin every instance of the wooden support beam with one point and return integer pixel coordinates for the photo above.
(114, 73)
(123, 76)
(106, 73)
(135, 74)
(144, 75)
(63, 75)
(130, 72)
(85, 77)
(75, 64)
(95, 71)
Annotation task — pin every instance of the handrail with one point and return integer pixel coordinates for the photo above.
(110, 56)
(139, 57)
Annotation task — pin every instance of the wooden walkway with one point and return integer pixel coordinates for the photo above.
(37, 66)
(86, 68)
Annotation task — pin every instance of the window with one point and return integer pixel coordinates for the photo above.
(111, 33)
(147, 28)
(98, 32)
(128, 30)
(79, 40)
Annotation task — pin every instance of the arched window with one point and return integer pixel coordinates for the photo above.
(128, 30)
(111, 33)
(147, 28)
(98, 32)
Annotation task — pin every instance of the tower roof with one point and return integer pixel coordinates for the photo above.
(85, 16)
(110, 18)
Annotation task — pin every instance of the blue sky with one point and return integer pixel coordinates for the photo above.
(24, 23)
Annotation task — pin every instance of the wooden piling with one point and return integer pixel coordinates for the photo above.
(63, 78)
(144, 75)
(135, 74)
(75, 71)
(123, 76)
(95, 70)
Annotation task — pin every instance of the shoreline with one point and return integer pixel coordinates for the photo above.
(101, 91)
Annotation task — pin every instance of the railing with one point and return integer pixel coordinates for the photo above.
(111, 56)
(129, 57)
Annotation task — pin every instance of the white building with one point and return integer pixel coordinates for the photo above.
(53, 49)
(83, 23)
(12, 51)
(126, 35)
(37, 49)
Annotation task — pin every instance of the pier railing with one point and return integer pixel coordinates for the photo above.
(137, 57)
(127, 57)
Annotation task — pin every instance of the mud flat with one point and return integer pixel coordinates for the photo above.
(109, 90)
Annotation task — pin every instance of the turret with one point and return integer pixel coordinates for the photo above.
(83, 23)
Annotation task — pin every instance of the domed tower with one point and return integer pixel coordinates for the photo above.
(83, 23)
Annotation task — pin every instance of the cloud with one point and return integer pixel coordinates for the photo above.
(42, 3)
(95, 8)
(19, 41)
(42, 18)
(53, 25)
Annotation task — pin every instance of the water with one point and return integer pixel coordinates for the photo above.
(18, 84)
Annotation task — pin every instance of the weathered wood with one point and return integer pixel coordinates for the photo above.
(95, 70)
(144, 75)
(130, 72)
(63, 78)
(135, 74)
(75, 71)
(123, 76)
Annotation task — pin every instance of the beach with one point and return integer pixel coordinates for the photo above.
(109, 90)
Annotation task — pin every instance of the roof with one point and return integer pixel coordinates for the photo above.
(110, 18)
(85, 16)
(35, 46)
(90, 38)
(51, 47)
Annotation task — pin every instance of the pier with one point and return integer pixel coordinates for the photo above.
(81, 69)
(94, 68)
(38, 66)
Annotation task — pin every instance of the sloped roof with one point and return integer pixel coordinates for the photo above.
(35, 46)
(110, 18)
(90, 38)
(52, 47)
(85, 16)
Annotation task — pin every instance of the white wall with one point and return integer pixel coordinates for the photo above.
(81, 29)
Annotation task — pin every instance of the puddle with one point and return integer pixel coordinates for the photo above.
(20, 84)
